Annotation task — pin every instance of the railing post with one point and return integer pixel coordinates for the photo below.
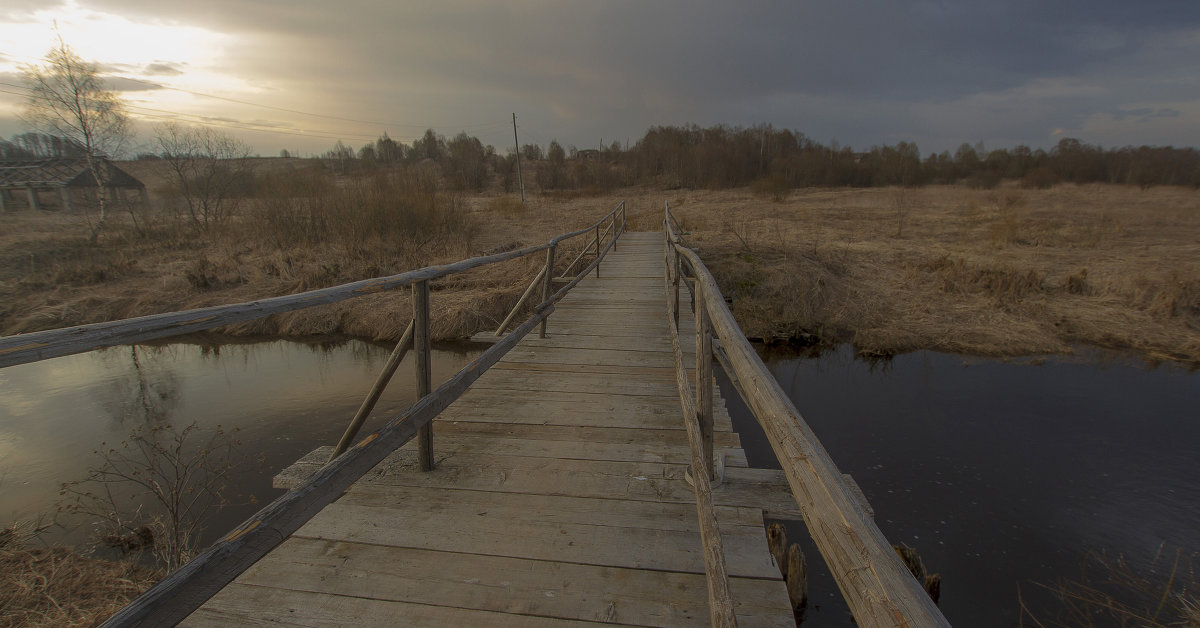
(421, 347)
(548, 286)
(675, 284)
(614, 225)
(704, 381)
(597, 242)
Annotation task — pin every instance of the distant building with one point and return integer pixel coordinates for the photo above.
(69, 180)
(590, 154)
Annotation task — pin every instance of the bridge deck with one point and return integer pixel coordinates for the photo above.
(559, 495)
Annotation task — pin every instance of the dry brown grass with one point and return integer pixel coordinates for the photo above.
(996, 272)
(51, 277)
(1008, 271)
(59, 587)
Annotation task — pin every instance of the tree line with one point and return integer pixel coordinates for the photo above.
(722, 156)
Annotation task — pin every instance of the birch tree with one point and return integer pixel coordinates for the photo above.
(67, 98)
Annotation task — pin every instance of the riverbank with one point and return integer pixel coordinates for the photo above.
(1002, 272)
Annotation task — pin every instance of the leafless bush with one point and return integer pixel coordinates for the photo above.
(154, 490)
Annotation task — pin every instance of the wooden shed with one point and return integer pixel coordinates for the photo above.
(69, 180)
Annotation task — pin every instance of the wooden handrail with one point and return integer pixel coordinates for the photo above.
(720, 598)
(878, 588)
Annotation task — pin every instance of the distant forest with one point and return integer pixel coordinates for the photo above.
(768, 159)
(771, 160)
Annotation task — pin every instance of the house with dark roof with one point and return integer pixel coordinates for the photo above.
(70, 180)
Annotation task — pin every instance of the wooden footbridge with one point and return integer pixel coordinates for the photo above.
(586, 473)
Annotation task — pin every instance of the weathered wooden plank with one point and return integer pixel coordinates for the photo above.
(641, 481)
(414, 502)
(595, 357)
(247, 605)
(657, 345)
(593, 370)
(646, 385)
(596, 432)
(510, 585)
(502, 531)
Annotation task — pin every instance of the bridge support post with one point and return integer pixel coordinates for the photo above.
(421, 347)
(704, 381)
(548, 286)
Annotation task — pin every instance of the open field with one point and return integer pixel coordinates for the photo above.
(1007, 271)
(995, 272)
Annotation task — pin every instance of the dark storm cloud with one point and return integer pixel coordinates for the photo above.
(866, 72)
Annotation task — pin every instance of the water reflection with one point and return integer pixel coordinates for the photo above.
(285, 398)
(1000, 472)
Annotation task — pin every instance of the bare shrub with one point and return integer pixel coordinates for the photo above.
(208, 169)
(1041, 178)
(404, 212)
(775, 187)
(154, 490)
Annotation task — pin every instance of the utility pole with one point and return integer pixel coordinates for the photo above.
(517, 145)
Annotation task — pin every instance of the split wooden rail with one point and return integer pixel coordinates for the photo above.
(878, 588)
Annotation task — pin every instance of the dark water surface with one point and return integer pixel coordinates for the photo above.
(285, 398)
(1001, 473)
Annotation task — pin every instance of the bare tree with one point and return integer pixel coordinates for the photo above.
(67, 98)
(208, 167)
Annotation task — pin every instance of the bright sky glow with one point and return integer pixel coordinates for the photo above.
(113, 41)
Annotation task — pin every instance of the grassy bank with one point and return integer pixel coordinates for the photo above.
(1008, 271)
(992, 272)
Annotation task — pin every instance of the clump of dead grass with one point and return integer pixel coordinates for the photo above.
(1004, 284)
(1113, 592)
(59, 587)
(506, 206)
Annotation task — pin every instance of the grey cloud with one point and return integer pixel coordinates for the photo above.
(163, 69)
(1145, 114)
(125, 84)
(20, 10)
(865, 72)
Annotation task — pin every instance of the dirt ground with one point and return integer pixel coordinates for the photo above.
(998, 272)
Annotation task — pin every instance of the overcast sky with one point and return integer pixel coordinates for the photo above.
(1004, 72)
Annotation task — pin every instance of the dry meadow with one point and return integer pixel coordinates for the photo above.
(1007, 271)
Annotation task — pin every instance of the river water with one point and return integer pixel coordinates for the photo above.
(284, 398)
(998, 472)
(1001, 473)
